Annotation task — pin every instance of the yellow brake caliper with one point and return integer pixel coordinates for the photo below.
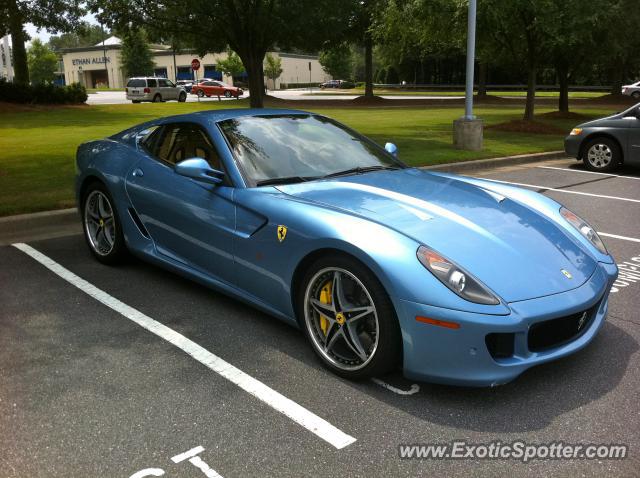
(325, 298)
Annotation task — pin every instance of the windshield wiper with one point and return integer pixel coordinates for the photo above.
(359, 170)
(285, 180)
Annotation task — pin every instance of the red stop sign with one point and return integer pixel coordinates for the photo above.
(195, 64)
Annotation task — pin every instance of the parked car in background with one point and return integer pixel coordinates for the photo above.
(216, 88)
(632, 90)
(605, 143)
(337, 84)
(186, 84)
(154, 89)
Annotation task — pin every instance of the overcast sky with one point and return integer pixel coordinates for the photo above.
(44, 34)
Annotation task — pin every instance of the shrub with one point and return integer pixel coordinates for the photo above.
(42, 93)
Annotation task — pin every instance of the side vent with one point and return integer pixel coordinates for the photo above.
(138, 222)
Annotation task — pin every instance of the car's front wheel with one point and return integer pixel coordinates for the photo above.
(602, 154)
(183, 97)
(200, 93)
(636, 94)
(102, 227)
(349, 318)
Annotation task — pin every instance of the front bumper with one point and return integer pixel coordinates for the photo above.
(462, 357)
(572, 145)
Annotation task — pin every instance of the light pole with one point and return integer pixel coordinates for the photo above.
(467, 131)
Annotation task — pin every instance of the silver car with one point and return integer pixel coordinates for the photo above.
(154, 89)
(632, 90)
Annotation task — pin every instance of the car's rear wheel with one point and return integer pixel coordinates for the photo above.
(602, 154)
(200, 93)
(227, 94)
(183, 97)
(157, 98)
(349, 318)
(101, 224)
(636, 94)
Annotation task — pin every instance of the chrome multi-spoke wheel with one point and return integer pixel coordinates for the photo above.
(349, 318)
(341, 318)
(602, 154)
(101, 227)
(599, 155)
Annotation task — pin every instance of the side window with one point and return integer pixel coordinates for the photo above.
(162, 83)
(169, 83)
(152, 83)
(176, 142)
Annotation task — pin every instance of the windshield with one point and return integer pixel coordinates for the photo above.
(300, 147)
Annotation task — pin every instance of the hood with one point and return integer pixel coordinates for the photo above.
(514, 250)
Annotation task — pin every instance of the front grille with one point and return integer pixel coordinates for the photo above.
(556, 332)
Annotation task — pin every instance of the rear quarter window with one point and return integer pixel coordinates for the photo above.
(136, 83)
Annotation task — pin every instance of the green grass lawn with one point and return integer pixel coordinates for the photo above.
(37, 148)
(393, 92)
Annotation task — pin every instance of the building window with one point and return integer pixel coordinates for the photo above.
(184, 73)
(160, 72)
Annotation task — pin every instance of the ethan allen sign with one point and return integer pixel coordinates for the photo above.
(91, 61)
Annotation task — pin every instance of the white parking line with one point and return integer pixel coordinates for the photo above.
(415, 388)
(563, 190)
(615, 236)
(277, 401)
(589, 172)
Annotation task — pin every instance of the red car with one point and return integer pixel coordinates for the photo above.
(215, 88)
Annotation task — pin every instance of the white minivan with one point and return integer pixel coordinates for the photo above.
(154, 89)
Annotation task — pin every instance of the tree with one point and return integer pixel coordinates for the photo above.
(54, 15)
(232, 65)
(85, 35)
(272, 68)
(520, 32)
(338, 61)
(42, 62)
(250, 27)
(137, 58)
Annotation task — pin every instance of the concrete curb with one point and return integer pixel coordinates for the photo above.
(62, 222)
(480, 164)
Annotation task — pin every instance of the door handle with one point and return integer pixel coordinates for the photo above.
(138, 173)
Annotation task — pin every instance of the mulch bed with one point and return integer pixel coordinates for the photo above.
(529, 127)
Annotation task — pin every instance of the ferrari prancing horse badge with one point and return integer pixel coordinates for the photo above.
(282, 233)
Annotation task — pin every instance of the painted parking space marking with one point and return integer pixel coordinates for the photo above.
(589, 172)
(544, 188)
(262, 392)
(194, 459)
(616, 236)
(628, 274)
(415, 388)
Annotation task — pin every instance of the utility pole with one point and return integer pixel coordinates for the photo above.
(104, 56)
(467, 131)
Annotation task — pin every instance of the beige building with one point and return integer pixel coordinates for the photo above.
(100, 66)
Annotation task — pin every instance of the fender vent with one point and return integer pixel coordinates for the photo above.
(138, 223)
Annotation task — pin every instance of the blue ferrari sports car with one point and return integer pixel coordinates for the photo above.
(456, 280)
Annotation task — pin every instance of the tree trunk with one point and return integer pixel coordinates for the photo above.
(482, 79)
(563, 80)
(20, 66)
(368, 65)
(616, 80)
(252, 61)
(531, 92)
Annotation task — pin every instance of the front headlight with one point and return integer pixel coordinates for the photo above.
(455, 278)
(585, 229)
(575, 131)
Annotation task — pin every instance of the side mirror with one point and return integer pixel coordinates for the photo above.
(199, 169)
(391, 149)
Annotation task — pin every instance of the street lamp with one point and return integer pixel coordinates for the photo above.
(467, 131)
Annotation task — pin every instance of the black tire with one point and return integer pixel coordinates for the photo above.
(157, 98)
(182, 98)
(119, 248)
(227, 94)
(200, 93)
(636, 94)
(602, 154)
(135, 101)
(387, 354)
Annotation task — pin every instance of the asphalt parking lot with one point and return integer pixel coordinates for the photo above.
(85, 390)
